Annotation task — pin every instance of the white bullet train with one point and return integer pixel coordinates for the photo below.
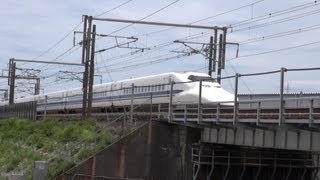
(141, 90)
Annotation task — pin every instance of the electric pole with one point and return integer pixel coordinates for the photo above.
(88, 50)
(12, 75)
(211, 60)
(220, 59)
(11, 80)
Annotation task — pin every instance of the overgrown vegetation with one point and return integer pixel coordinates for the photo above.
(62, 143)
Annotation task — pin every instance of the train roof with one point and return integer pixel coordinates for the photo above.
(179, 74)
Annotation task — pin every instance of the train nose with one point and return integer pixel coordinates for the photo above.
(219, 96)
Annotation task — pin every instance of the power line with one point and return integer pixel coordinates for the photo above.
(73, 29)
(114, 8)
(68, 50)
(146, 63)
(157, 47)
(229, 11)
(275, 14)
(172, 3)
(128, 61)
(64, 37)
(210, 17)
(57, 43)
(251, 4)
(280, 21)
(277, 50)
(125, 62)
(206, 18)
(281, 34)
(71, 50)
(245, 84)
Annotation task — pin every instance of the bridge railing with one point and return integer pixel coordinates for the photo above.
(302, 110)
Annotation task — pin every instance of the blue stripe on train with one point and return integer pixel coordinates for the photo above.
(115, 98)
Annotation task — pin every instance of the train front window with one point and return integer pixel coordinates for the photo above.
(194, 78)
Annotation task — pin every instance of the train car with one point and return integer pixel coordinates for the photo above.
(138, 91)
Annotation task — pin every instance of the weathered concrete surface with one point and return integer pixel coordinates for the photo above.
(154, 151)
(163, 151)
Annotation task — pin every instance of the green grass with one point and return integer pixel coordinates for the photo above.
(62, 143)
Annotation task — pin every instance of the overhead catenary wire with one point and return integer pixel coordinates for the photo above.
(203, 19)
(276, 50)
(251, 4)
(146, 63)
(159, 46)
(153, 13)
(131, 62)
(278, 21)
(158, 56)
(297, 6)
(114, 8)
(275, 14)
(281, 34)
(58, 42)
(74, 28)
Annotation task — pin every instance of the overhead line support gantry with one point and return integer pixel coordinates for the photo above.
(213, 52)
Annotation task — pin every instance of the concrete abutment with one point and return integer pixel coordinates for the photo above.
(159, 150)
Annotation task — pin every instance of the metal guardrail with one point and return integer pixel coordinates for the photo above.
(25, 110)
(258, 113)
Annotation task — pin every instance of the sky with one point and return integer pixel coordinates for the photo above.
(290, 29)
